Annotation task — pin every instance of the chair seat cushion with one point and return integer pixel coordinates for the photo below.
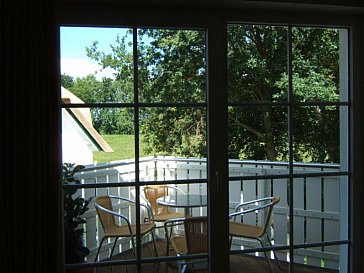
(123, 231)
(245, 230)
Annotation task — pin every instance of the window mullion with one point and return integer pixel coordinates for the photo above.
(136, 145)
(218, 195)
(290, 144)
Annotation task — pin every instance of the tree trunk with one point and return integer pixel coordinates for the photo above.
(269, 140)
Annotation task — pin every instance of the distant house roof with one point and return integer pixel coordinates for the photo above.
(83, 117)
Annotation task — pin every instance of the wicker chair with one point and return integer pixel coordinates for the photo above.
(161, 213)
(108, 216)
(255, 232)
(193, 241)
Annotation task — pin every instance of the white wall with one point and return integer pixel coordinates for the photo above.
(76, 146)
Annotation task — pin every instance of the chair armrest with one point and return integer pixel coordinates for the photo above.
(150, 215)
(255, 209)
(177, 189)
(122, 198)
(172, 223)
(254, 201)
(234, 214)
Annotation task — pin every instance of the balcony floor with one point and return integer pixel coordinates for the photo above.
(238, 263)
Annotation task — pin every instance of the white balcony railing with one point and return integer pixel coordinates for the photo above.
(317, 213)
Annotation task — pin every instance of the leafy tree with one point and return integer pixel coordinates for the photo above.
(172, 64)
(106, 120)
(67, 81)
(172, 69)
(256, 60)
(257, 73)
(120, 60)
(316, 79)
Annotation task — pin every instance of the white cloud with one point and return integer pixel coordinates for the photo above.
(81, 68)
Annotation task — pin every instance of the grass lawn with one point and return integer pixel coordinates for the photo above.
(123, 146)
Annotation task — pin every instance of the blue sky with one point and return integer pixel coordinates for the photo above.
(74, 61)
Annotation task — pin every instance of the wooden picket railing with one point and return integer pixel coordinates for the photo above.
(318, 216)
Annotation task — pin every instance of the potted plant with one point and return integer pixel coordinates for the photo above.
(74, 207)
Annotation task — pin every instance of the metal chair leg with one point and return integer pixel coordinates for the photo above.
(266, 256)
(113, 247)
(155, 250)
(98, 250)
(183, 269)
(274, 253)
(154, 244)
(133, 246)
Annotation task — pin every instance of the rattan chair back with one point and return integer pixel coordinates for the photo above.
(196, 234)
(107, 220)
(152, 193)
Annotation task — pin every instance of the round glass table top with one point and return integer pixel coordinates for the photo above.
(183, 200)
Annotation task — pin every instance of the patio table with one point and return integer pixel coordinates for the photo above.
(186, 201)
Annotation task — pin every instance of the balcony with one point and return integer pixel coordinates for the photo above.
(319, 210)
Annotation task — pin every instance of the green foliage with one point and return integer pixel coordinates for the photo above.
(175, 131)
(67, 81)
(174, 66)
(74, 208)
(172, 69)
(257, 72)
(173, 63)
(106, 120)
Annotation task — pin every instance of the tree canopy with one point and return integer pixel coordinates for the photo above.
(257, 72)
(172, 70)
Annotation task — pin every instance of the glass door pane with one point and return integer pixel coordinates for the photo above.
(172, 129)
(134, 132)
(288, 139)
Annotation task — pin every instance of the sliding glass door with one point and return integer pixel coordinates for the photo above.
(178, 119)
(288, 139)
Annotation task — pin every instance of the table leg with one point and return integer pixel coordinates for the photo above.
(188, 212)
